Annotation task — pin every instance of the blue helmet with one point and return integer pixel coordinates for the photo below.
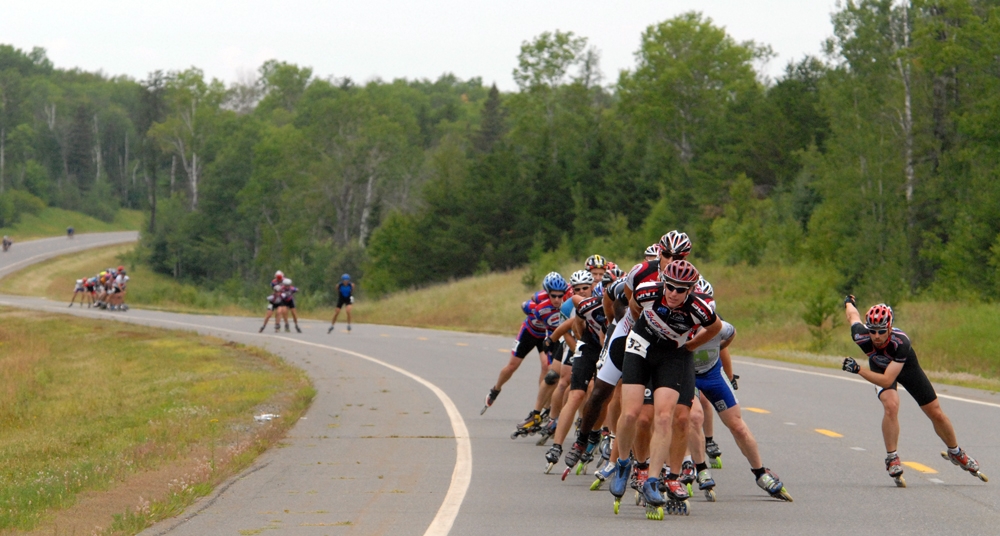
(345, 277)
(554, 281)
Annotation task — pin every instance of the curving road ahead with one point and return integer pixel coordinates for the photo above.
(379, 452)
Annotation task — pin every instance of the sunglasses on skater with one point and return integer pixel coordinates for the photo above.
(882, 331)
(677, 290)
(581, 288)
(556, 294)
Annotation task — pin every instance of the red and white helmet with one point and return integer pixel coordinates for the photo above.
(879, 317)
(675, 244)
(680, 272)
(279, 275)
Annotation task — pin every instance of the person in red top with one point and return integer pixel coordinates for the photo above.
(892, 361)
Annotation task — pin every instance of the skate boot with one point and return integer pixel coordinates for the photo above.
(329, 331)
(677, 498)
(297, 330)
(966, 462)
(687, 475)
(529, 426)
(588, 454)
(547, 431)
(490, 398)
(602, 474)
(604, 447)
(619, 479)
(277, 328)
(573, 457)
(286, 329)
(713, 453)
(895, 470)
(770, 483)
(653, 498)
(552, 456)
(348, 328)
(639, 476)
(261, 330)
(707, 484)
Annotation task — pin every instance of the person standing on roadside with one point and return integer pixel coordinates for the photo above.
(345, 298)
(892, 361)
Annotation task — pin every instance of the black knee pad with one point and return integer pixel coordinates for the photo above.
(551, 377)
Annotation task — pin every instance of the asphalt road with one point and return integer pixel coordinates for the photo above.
(377, 451)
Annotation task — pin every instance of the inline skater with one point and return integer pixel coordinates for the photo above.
(273, 300)
(591, 323)
(345, 297)
(70, 232)
(561, 364)
(288, 303)
(892, 361)
(716, 385)
(81, 289)
(659, 352)
(542, 318)
(652, 253)
(118, 287)
(7, 243)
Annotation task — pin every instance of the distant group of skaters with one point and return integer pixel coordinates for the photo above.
(106, 290)
(643, 358)
(281, 302)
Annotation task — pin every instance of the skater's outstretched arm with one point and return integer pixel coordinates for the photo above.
(884, 380)
(704, 335)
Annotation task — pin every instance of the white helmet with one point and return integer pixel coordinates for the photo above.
(279, 272)
(287, 282)
(652, 251)
(581, 277)
(704, 287)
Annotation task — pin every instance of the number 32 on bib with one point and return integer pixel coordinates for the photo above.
(637, 345)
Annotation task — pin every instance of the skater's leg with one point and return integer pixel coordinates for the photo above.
(709, 412)
(572, 403)
(643, 433)
(733, 419)
(614, 409)
(696, 435)
(942, 424)
(890, 419)
(562, 388)
(595, 405)
(348, 311)
(632, 395)
(507, 371)
(547, 386)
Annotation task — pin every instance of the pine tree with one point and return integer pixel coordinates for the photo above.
(492, 126)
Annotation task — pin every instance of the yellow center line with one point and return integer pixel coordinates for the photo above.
(504, 350)
(920, 467)
(383, 334)
(461, 344)
(829, 433)
(421, 338)
(757, 410)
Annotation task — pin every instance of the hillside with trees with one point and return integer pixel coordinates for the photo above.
(875, 164)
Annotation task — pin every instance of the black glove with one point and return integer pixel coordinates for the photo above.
(547, 345)
(736, 385)
(849, 299)
(852, 366)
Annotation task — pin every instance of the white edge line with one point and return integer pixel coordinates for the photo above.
(6, 270)
(461, 476)
(855, 380)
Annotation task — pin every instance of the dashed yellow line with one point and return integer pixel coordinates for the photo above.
(920, 467)
(504, 350)
(461, 344)
(829, 433)
(422, 338)
(383, 334)
(757, 410)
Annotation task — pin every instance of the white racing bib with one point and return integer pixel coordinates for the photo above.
(636, 344)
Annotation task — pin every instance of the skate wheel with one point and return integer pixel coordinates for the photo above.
(580, 468)
(710, 495)
(783, 495)
(690, 491)
(542, 440)
(548, 468)
(638, 499)
(900, 482)
(566, 472)
(618, 502)
(982, 477)
(596, 485)
(514, 435)
(655, 514)
(716, 463)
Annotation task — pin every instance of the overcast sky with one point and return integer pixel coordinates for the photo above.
(389, 39)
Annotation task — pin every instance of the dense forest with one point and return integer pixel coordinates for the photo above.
(875, 163)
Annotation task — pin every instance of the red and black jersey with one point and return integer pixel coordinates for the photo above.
(666, 324)
(591, 310)
(642, 273)
(898, 348)
(543, 316)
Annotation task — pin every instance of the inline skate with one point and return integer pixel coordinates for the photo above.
(966, 462)
(676, 499)
(713, 453)
(490, 398)
(895, 470)
(707, 484)
(619, 479)
(529, 426)
(770, 483)
(552, 457)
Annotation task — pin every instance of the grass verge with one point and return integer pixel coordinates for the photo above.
(53, 221)
(89, 406)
